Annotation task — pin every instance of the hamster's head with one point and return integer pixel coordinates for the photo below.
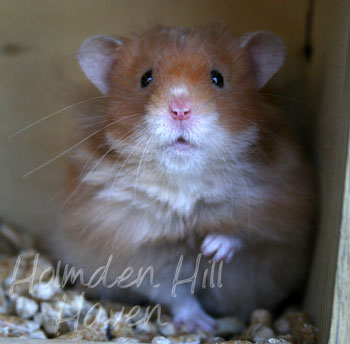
(182, 97)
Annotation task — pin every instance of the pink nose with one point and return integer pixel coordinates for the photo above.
(180, 109)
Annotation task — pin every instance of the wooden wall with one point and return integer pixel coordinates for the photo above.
(328, 297)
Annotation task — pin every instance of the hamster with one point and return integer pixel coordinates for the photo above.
(188, 166)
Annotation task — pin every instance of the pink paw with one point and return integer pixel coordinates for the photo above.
(191, 320)
(221, 246)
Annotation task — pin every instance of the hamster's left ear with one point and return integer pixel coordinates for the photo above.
(96, 56)
(267, 52)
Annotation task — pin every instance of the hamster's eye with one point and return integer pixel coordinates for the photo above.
(217, 78)
(146, 79)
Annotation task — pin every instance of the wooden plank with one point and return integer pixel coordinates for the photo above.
(328, 299)
(340, 327)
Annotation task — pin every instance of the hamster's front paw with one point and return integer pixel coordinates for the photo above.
(221, 246)
(193, 318)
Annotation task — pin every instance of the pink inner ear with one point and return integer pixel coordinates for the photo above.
(267, 52)
(96, 56)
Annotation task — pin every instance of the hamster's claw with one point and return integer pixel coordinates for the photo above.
(191, 322)
(221, 247)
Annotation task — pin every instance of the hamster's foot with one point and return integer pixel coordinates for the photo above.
(221, 246)
(192, 319)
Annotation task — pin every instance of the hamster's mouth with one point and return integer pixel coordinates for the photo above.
(181, 144)
(181, 140)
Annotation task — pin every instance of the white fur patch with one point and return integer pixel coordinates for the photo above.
(179, 90)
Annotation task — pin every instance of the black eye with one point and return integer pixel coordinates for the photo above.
(146, 78)
(217, 78)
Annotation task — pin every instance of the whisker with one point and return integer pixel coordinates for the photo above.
(53, 114)
(118, 173)
(295, 100)
(86, 164)
(140, 162)
(122, 166)
(74, 146)
(228, 177)
(74, 179)
(84, 167)
(246, 191)
(97, 163)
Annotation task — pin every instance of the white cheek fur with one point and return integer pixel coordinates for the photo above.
(211, 141)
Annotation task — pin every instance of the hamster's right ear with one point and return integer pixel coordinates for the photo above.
(96, 56)
(267, 52)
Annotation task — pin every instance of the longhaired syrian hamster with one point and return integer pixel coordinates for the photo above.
(186, 166)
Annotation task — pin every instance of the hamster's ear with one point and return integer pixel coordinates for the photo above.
(267, 52)
(96, 56)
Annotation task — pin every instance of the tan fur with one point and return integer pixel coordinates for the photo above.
(145, 208)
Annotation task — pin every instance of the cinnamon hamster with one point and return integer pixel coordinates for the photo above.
(186, 166)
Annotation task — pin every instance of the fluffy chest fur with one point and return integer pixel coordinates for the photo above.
(135, 203)
(142, 184)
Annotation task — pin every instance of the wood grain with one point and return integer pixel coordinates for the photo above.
(328, 296)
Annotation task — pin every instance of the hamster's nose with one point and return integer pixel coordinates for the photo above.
(180, 109)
